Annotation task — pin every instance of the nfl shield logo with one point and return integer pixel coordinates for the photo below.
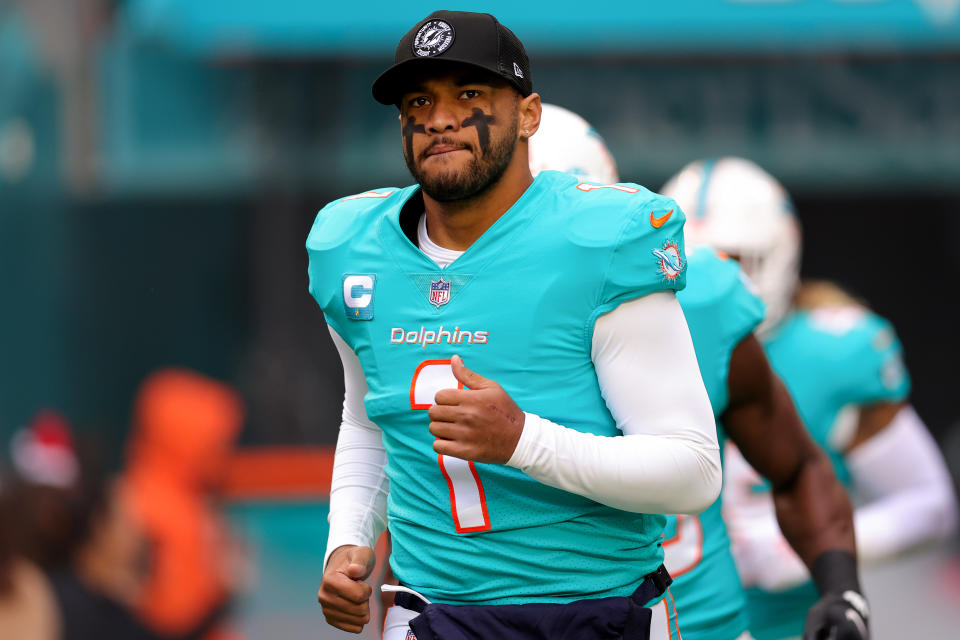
(439, 292)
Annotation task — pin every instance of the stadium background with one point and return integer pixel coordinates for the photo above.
(161, 162)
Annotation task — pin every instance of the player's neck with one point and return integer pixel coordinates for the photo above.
(457, 225)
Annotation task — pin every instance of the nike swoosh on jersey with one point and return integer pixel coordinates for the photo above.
(659, 222)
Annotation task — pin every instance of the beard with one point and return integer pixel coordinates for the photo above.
(480, 174)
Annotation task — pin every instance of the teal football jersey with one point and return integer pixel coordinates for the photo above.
(721, 311)
(519, 306)
(832, 360)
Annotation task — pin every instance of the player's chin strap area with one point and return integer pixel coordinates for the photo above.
(613, 618)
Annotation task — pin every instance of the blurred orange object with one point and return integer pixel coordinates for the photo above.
(279, 472)
(184, 428)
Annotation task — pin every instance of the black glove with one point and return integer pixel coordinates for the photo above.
(838, 617)
(842, 612)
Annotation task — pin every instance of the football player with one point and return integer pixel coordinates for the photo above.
(518, 370)
(752, 408)
(843, 367)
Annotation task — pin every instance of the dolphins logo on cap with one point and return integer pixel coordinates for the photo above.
(433, 38)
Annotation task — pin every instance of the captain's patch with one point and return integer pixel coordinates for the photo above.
(358, 295)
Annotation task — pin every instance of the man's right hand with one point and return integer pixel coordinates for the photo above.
(344, 595)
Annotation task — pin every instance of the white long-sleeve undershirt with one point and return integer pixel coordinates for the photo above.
(902, 481)
(666, 461)
(359, 487)
(904, 497)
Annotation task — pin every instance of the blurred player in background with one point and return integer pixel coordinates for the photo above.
(753, 408)
(537, 510)
(843, 367)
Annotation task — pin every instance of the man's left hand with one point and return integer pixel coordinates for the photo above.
(481, 422)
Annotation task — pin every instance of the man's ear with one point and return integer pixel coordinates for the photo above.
(529, 110)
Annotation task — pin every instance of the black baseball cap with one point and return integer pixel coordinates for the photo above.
(474, 39)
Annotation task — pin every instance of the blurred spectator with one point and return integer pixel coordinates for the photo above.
(27, 606)
(68, 552)
(184, 428)
(28, 610)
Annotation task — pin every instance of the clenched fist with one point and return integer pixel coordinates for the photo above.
(343, 595)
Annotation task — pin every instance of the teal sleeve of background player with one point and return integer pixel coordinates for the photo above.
(648, 256)
(721, 311)
(747, 309)
(879, 372)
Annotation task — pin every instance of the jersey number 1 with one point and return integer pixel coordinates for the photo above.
(684, 550)
(467, 502)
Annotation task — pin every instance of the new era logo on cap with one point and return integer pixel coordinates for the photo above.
(517, 71)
